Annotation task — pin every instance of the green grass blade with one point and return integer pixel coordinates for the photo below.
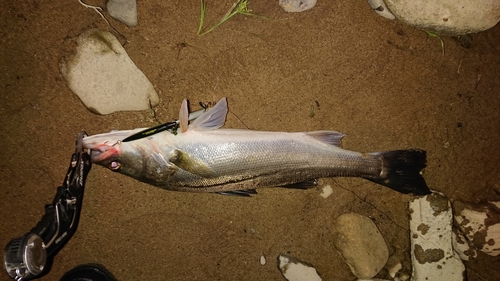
(219, 23)
(202, 16)
(239, 7)
(435, 35)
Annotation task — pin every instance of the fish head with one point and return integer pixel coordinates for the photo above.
(139, 159)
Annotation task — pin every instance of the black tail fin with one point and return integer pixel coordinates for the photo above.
(401, 171)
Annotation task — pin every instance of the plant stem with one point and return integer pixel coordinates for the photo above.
(239, 7)
(202, 16)
(435, 35)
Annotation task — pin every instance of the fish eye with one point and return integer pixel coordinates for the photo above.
(115, 166)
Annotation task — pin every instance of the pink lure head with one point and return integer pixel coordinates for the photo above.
(105, 147)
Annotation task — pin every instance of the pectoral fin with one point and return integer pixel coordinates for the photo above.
(191, 164)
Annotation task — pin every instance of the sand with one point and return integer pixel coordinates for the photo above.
(338, 66)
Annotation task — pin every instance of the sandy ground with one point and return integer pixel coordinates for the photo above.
(386, 85)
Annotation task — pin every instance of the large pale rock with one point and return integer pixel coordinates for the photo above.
(481, 225)
(123, 10)
(432, 253)
(360, 243)
(447, 17)
(104, 77)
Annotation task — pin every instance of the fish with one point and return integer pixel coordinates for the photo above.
(201, 157)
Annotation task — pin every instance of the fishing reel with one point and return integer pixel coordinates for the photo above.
(30, 256)
(25, 256)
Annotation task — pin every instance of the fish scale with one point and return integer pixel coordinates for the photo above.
(278, 158)
(205, 158)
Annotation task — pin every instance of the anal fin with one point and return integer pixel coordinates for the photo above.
(242, 193)
(302, 185)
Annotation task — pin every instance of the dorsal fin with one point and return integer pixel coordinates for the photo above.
(329, 137)
(184, 116)
(213, 119)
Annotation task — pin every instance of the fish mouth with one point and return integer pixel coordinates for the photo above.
(98, 156)
(102, 147)
(103, 152)
(107, 145)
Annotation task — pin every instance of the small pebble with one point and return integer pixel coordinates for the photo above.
(395, 269)
(327, 191)
(123, 10)
(379, 7)
(262, 259)
(294, 270)
(295, 6)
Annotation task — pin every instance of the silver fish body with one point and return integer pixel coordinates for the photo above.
(207, 159)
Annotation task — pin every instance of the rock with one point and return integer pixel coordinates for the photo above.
(379, 7)
(295, 270)
(447, 17)
(495, 203)
(360, 244)
(462, 247)
(123, 10)
(432, 253)
(104, 77)
(295, 6)
(481, 225)
(327, 190)
(399, 266)
(395, 269)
